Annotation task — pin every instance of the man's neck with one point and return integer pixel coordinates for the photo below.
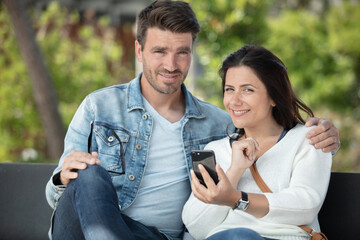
(169, 106)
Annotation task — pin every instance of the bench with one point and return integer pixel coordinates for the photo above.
(25, 213)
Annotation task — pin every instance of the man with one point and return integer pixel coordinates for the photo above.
(124, 173)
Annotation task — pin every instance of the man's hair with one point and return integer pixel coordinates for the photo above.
(174, 16)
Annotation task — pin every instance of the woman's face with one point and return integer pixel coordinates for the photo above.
(246, 98)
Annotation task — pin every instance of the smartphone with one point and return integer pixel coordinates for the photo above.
(207, 159)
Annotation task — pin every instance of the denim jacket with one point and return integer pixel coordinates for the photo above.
(120, 109)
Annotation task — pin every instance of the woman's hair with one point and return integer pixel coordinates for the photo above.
(175, 16)
(273, 74)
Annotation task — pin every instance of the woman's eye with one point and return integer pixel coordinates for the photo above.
(248, 90)
(228, 89)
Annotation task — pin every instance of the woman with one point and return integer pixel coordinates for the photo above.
(271, 132)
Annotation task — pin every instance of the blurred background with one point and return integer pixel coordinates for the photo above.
(54, 53)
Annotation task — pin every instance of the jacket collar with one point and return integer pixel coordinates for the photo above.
(134, 99)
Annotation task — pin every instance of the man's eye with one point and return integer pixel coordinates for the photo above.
(158, 51)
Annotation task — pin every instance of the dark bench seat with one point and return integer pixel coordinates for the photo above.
(25, 214)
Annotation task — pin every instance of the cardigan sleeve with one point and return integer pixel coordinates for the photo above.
(201, 218)
(300, 202)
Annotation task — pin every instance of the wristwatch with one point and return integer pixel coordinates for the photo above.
(243, 203)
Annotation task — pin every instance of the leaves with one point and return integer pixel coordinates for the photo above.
(81, 59)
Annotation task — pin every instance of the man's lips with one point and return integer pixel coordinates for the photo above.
(169, 76)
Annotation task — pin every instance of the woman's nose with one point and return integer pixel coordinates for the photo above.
(236, 98)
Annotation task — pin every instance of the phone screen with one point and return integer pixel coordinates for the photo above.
(207, 159)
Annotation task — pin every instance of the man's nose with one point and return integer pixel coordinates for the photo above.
(170, 63)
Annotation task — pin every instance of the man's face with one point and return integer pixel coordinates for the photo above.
(166, 59)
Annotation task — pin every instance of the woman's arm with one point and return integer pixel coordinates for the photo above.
(301, 201)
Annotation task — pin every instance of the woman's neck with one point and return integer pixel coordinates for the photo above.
(266, 135)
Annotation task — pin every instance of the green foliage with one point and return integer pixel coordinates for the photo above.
(79, 64)
(323, 64)
(225, 26)
(321, 77)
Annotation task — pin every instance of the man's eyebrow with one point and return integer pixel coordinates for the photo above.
(186, 48)
(157, 48)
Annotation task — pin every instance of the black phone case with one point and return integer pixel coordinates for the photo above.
(207, 159)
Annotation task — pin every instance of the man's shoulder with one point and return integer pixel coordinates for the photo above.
(209, 107)
(114, 89)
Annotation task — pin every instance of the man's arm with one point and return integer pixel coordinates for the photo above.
(325, 136)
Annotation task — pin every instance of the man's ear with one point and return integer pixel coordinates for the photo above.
(138, 51)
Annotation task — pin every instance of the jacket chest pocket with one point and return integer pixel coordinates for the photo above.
(112, 144)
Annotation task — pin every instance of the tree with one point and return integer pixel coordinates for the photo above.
(44, 92)
(82, 55)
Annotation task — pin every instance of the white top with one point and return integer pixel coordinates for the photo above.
(296, 172)
(165, 186)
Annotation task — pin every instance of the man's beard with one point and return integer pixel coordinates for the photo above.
(171, 87)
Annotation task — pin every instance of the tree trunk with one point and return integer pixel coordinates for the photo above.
(43, 89)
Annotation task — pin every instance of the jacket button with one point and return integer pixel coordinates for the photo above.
(111, 139)
(138, 146)
(144, 116)
(131, 177)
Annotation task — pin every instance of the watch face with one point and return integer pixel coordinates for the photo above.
(242, 205)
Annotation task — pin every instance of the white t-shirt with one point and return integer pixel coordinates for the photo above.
(165, 186)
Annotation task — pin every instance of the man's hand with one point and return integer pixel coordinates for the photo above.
(75, 161)
(325, 136)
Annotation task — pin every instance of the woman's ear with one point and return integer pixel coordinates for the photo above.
(273, 104)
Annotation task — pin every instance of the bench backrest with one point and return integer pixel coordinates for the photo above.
(339, 216)
(25, 214)
(24, 211)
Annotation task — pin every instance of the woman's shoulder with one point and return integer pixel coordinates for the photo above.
(300, 130)
(299, 139)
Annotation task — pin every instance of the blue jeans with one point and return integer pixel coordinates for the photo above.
(237, 234)
(88, 209)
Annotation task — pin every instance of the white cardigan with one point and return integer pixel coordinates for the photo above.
(298, 176)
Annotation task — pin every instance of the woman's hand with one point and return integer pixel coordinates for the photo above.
(222, 193)
(243, 155)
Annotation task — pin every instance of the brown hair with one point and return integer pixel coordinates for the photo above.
(273, 74)
(175, 16)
